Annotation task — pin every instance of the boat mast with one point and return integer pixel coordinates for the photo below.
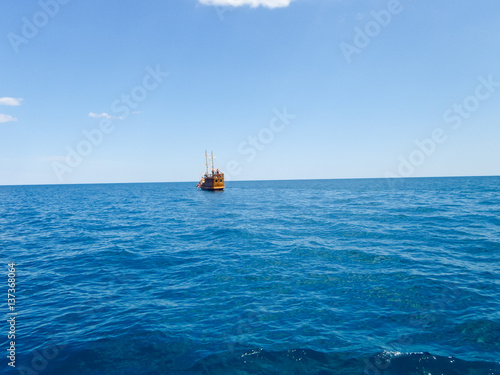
(213, 162)
(206, 161)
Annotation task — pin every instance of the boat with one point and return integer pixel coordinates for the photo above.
(213, 179)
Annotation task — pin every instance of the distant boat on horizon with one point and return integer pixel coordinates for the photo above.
(212, 179)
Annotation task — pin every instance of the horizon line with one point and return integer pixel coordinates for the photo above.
(293, 179)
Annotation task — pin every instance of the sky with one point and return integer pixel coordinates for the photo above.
(126, 91)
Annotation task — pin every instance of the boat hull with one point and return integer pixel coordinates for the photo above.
(212, 182)
(212, 189)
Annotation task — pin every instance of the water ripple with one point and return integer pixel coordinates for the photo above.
(353, 272)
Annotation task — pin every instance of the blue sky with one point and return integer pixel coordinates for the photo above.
(121, 91)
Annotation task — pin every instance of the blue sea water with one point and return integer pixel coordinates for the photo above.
(273, 277)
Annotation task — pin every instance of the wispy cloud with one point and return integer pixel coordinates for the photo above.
(252, 3)
(7, 118)
(99, 115)
(108, 116)
(13, 102)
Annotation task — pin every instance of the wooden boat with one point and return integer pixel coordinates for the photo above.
(211, 180)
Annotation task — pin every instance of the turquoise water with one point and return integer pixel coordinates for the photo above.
(274, 277)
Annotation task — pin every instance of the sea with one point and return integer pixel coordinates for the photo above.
(365, 277)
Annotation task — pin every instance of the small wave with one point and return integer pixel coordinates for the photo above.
(156, 354)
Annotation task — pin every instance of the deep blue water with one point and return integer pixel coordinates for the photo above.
(289, 277)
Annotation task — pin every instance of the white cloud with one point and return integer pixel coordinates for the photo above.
(13, 102)
(6, 118)
(252, 3)
(99, 115)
